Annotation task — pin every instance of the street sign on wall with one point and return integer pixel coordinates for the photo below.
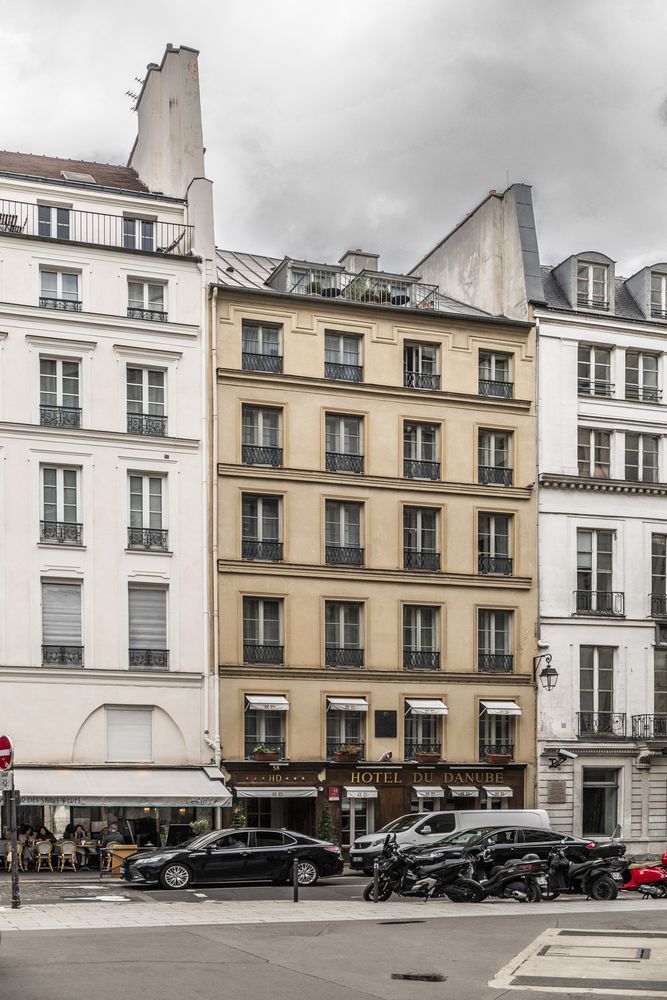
(6, 780)
(6, 753)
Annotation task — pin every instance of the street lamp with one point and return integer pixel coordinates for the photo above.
(548, 675)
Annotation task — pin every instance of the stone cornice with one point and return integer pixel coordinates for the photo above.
(366, 676)
(552, 480)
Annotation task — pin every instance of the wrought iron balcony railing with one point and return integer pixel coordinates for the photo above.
(494, 565)
(335, 656)
(421, 560)
(493, 387)
(255, 362)
(601, 723)
(643, 393)
(339, 462)
(151, 315)
(658, 605)
(599, 602)
(420, 380)
(584, 303)
(148, 538)
(343, 373)
(494, 475)
(149, 659)
(495, 663)
(416, 469)
(335, 746)
(62, 656)
(62, 532)
(649, 727)
(657, 313)
(259, 454)
(365, 288)
(595, 387)
(344, 555)
(503, 749)
(421, 659)
(149, 424)
(256, 653)
(412, 748)
(275, 746)
(263, 551)
(59, 416)
(22, 218)
(65, 305)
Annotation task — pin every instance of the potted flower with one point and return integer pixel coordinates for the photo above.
(493, 757)
(347, 753)
(315, 288)
(199, 827)
(384, 296)
(427, 755)
(264, 753)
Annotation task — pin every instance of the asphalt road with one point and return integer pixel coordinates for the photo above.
(330, 961)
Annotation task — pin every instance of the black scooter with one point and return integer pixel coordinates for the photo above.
(592, 878)
(402, 875)
(522, 879)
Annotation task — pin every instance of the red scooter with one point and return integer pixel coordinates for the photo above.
(649, 880)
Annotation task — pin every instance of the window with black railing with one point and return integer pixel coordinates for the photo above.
(343, 634)
(422, 731)
(658, 295)
(146, 301)
(342, 357)
(59, 290)
(148, 647)
(421, 459)
(593, 453)
(261, 528)
(658, 596)
(420, 539)
(61, 532)
(262, 631)
(601, 723)
(261, 351)
(62, 656)
(594, 371)
(343, 528)
(146, 529)
(345, 731)
(344, 443)
(494, 375)
(649, 727)
(262, 431)
(60, 522)
(59, 393)
(420, 366)
(62, 635)
(149, 659)
(496, 735)
(493, 545)
(493, 458)
(592, 285)
(156, 539)
(270, 744)
(263, 727)
(596, 693)
(497, 748)
(641, 377)
(494, 641)
(146, 401)
(594, 594)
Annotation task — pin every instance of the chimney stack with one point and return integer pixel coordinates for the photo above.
(358, 260)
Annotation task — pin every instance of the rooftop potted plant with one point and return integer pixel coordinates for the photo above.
(429, 754)
(265, 753)
(347, 753)
(498, 757)
(315, 288)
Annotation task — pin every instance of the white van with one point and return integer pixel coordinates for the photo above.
(424, 828)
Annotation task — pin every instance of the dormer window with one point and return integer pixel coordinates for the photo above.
(592, 285)
(658, 295)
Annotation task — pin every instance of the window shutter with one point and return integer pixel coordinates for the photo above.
(148, 618)
(129, 734)
(61, 614)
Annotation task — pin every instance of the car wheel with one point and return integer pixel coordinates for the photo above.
(175, 876)
(306, 873)
(604, 888)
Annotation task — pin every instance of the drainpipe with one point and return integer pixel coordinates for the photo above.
(214, 743)
(538, 630)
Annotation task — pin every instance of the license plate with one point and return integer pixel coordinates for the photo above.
(617, 877)
(541, 880)
(355, 858)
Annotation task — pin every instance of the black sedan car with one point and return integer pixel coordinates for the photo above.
(246, 855)
(505, 843)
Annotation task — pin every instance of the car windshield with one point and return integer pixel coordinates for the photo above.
(402, 823)
(463, 837)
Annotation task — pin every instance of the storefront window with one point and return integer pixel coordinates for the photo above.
(258, 812)
(600, 801)
(356, 818)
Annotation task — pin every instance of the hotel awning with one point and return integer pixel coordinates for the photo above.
(268, 702)
(498, 791)
(464, 791)
(426, 706)
(432, 792)
(501, 707)
(111, 786)
(348, 704)
(367, 792)
(273, 792)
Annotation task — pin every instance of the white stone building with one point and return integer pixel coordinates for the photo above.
(104, 662)
(602, 501)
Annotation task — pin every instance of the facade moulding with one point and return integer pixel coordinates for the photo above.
(407, 678)
(103, 321)
(43, 434)
(602, 485)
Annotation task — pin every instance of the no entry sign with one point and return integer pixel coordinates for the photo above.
(6, 753)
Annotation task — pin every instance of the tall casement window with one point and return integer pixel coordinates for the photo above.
(658, 295)
(494, 641)
(423, 720)
(59, 290)
(493, 544)
(497, 730)
(420, 539)
(62, 644)
(420, 366)
(262, 436)
(658, 576)
(641, 377)
(343, 634)
(343, 528)
(594, 371)
(344, 443)
(147, 528)
(342, 357)
(59, 393)
(60, 506)
(53, 222)
(595, 562)
(654, 727)
(421, 458)
(263, 630)
(599, 795)
(641, 458)
(146, 401)
(596, 692)
(346, 724)
(138, 234)
(261, 348)
(264, 723)
(146, 300)
(494, 459)
(261, 527)
(594, 453)
(421, 643)
(495, 377)
(129, 734)
(592, 285)
(148, 647)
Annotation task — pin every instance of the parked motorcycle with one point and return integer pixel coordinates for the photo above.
(648, 880)
(522, 879)
(593, 878)
(402, 875)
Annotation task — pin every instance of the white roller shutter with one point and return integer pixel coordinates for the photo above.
(129, 734)
(148, 618)
(61, 614)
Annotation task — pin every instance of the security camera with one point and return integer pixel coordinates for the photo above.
(542, 644)
(566, 754)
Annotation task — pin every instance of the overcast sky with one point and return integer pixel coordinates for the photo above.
(372, 123)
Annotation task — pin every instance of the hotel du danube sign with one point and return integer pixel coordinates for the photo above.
(401, 775)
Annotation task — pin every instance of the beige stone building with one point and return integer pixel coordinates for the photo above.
(375, 545)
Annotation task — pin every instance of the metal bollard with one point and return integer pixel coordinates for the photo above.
(295, 879)
(376, 880)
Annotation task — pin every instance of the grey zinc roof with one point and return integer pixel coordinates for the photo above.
(249, 270)
(625, 306)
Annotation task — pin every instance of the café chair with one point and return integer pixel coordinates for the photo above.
(108, 857)
(44, 854)
(67, 855)
(8, 860)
